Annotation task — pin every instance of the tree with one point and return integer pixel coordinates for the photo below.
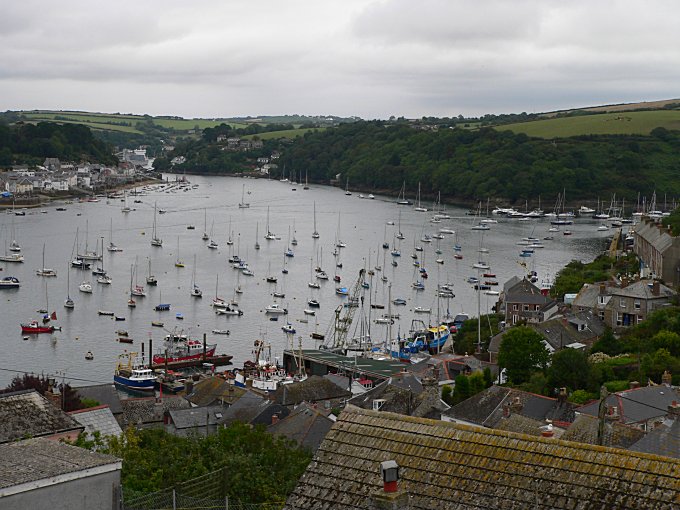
(521, 352)
(569, 369)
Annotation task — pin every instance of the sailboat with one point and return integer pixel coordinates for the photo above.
(205, 236)
(230, 241)
(243, 204)
(315, 234)
(11, 257)
(401, 199)
(212, 244)
(155, 240)
(195, 290)
(339, 242)
(400, 235)
(178, 262)
(347, 191)
(125, 208)
(217, 300)
(131, 302)
(87, 254)
(150, 278)
(289, 251)
(138, 290)
(294, 240)
(69, 302)
(312, 282)
(112, 247)
(35, 326)
(306, 186)
(257, 228)
(45, 271)
(269, 236)
(14, 245)
(102, 277)
(419, 207)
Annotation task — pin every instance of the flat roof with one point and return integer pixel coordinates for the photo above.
(373, 367)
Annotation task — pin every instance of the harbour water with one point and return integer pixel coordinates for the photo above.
(362, 224)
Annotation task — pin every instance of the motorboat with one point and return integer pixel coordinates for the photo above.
(276, 308)
(85, 287)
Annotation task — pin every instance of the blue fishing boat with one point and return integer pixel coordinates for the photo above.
(131, 374)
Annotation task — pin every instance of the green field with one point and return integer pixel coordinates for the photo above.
(111, 121)
(286, 133)
(618, 123)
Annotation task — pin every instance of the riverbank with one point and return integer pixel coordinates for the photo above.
(41, 199)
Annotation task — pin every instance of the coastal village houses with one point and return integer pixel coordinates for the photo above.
(624, 304)
(522, 301)
(659, 251)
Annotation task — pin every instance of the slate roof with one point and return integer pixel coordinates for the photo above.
(402, 400)
(561, 331)
(454, 467)
(305, 425)
(312, 389)
(138, 411)
(196, 416)
(663, 440)
(212, 390)
(39, 458)
(642, 289)
(587, 295)
(526, 292)
(265, 416)
(637, 405)
(105, 394)
(523, 425)
(616, 435)
(245, 409)
(98, 419)
(28, 413)
(487, 407)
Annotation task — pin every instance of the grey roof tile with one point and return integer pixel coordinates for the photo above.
(98, 419)
(39, 458)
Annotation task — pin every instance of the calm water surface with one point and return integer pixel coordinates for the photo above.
(362, 224)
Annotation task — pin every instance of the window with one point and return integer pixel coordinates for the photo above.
(636, 305)
(619, 319)
(600, 300)
(515, 319)
(622, 302)
(537, 307)
(600, 314)
(515, 307)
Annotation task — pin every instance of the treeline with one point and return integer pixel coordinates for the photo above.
(32, 143)
(467, 165)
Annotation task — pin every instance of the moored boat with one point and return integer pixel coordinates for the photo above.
(179, 347)
(130, 373)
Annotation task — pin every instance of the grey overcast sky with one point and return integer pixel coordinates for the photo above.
(370, 58)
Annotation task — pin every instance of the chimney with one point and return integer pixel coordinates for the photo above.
(655, 288)
(391, 497)
(562, 395)
(666, 378)
(674, 410)
(547, 431)
(275, 419)
(603, 289)
(516, 405)
(612, 413)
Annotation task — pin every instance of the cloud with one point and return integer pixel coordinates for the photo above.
(372, 58)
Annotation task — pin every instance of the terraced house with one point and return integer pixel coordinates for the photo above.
(659, 249)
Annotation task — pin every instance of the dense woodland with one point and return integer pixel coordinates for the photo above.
(470, 165)
(32, 143)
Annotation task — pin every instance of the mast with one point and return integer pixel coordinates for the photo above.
(315, 234)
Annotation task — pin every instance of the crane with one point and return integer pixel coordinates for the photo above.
(344, 320)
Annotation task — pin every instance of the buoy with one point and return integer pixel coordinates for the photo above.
(25, 338)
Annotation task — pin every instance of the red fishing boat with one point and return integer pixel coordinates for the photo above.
(178, 347)
(35, 327)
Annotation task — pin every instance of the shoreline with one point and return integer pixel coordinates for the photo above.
(39, 199)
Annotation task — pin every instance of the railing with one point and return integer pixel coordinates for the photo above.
(205, 492)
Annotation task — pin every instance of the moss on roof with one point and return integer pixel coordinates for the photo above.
(450, 466)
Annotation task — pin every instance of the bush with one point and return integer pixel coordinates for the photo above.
(582, 396)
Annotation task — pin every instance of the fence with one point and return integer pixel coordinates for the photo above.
(205, 492)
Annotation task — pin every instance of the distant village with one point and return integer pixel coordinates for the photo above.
(61, 178)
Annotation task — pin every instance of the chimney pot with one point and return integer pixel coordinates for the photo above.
(275, 418)
(390, 475)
